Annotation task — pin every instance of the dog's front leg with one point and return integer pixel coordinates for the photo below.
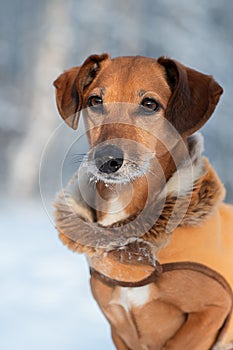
(199, 331)
(118, 342)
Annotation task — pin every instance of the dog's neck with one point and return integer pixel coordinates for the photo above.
(118, 202)
(131, 245)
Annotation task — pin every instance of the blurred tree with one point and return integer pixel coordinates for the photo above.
(51, 54)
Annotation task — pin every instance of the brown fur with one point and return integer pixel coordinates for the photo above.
(183, 298)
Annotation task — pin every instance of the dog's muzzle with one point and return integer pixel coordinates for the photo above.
(108, 159)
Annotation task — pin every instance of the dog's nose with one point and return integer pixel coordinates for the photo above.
(108, 159)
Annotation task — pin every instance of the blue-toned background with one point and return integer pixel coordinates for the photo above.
(45, 298)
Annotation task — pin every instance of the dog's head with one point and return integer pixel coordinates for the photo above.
(134, 108)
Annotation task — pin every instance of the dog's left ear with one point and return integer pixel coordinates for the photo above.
(194, 96)
(71, 85)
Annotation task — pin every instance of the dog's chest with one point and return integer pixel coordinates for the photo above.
(124, 309)
(138, 316)
(131, 297)
(147, 317)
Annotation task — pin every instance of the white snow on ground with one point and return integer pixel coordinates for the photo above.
(45, 298)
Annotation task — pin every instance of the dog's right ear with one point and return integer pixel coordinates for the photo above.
(71, 85)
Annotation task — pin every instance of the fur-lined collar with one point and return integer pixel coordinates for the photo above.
(188, 199)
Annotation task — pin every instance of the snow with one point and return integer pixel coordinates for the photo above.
(45, 298)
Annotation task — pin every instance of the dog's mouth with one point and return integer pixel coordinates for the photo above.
(112, 165)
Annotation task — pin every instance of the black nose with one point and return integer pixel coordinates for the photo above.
(108, 159)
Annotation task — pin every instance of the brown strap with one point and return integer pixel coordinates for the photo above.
(188, 265)
(113, 283)
(184, 265)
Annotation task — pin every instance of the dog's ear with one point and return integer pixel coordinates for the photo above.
(194, 96)
(71, 85)
(67, 97)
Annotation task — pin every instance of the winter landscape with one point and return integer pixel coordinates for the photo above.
(45, 297)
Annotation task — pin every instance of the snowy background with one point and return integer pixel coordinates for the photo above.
(45, 299)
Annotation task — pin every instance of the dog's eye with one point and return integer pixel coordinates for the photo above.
(149, 105)
(94, 101)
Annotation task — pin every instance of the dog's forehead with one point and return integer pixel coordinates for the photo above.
(130, 74)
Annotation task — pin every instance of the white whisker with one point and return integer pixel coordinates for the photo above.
(128, 173)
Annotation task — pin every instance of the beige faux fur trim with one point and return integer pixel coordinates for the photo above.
(186, 201)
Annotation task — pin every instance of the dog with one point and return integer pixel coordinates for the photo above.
(145, 206)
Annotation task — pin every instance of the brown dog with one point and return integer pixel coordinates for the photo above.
(145, 207)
